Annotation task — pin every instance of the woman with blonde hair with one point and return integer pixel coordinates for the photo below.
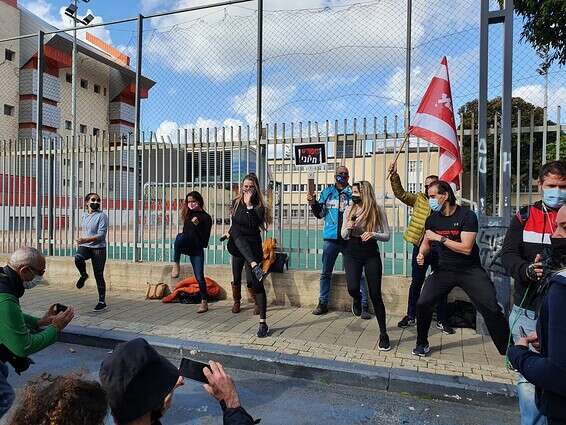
(364, 224)
(250, 216)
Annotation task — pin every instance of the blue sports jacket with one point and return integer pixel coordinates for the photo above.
(330, 206)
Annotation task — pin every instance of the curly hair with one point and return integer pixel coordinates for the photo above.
(64, 400)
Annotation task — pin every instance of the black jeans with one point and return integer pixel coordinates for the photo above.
(238, 263)
(354, 266)
(478, 286)
(98, 258)
(418, 276)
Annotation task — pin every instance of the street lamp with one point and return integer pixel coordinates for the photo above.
(72, 12)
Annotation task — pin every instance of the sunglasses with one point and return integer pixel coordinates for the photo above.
(94, 200)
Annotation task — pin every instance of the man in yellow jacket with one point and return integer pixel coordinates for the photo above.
(414, 235)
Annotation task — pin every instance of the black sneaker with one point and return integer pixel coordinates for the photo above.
(445, 328)
(357, 307)
(259, 273)
(384, 344)
(81, 281)
(100, 307)
(421, 350)
(321, 308)
(365, 312)
(406, 322)
(263, 330)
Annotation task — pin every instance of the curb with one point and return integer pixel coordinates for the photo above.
(421, 384)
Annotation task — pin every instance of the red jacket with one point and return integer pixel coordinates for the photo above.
(527, 236)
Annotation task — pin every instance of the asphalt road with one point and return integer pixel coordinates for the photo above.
(281, 400)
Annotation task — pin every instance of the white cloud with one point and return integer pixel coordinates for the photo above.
(275, 97)
(168, 129)
(58, 19)
(534, 93)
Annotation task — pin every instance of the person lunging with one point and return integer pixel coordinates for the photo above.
(197, 224)
(452, 230)
(364, 224)
(92, 246)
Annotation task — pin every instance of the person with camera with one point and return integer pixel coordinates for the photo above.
(197, 224)
(20, 334)
(540, 356)
(452, 230)
(331, 205)
(92, 246)
(525, 241)
(140, 384)
(250, 216)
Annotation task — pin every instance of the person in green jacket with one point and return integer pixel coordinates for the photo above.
(414, 235)
(20, 334)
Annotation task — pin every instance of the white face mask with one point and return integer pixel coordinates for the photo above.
(37, 280)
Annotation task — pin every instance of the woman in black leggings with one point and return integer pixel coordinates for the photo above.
(92, 246)
(250, 215)
(364, 224)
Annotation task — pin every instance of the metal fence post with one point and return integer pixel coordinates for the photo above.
(482, 106)
(262, 151)
(137, 182)
(506, 131)
(39, 140)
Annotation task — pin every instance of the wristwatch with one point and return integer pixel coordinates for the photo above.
(443, 239)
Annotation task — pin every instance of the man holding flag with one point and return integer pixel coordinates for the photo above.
(450, 229)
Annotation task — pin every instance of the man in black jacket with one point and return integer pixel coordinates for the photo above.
(546, 369)
(139, 383)
(523, 247)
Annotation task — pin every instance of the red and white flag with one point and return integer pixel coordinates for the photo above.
(434, 122)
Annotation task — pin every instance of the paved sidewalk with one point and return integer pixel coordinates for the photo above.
(295, 331)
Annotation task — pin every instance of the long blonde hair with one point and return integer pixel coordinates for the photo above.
(369, 212)
(268, 218)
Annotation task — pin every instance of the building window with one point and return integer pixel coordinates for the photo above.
(83, 129)
(294, 213)
(303, 188)
(84, 84)
(414, 187)
(68, 77)
(80, 164)
(8, 110)
(95, 132)
(295, 187)
(68, 125)
(9, 55)
(413, 165)
(97, 88)
(285, 188)
(104, 91)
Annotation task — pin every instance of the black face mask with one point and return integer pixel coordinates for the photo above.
(95, 206)
(558, 249)
(356, 199)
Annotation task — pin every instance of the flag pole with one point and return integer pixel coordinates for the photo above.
(398, 153)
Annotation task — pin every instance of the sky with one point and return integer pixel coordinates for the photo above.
(323, 60)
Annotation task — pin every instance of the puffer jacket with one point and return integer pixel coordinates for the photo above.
(421, 210)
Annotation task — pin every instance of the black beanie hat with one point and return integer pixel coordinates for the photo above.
(136, 379)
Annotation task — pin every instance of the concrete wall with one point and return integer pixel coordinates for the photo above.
(296, 288)
(9, 71)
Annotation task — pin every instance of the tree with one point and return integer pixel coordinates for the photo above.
(544, 27)
(494, 109)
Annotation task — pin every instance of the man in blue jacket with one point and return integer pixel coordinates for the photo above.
(330, 206)
(546, 367)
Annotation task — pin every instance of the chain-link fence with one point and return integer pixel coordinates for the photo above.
(195, 101)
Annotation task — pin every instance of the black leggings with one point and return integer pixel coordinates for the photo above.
(98, 258)
(478, 286)
(238, 263)
(354, 266)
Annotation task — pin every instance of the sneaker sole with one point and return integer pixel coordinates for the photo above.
(102, 309)
(384, 349)
(421, 355)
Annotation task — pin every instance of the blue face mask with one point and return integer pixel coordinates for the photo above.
(341, 179)
(554, 197)
(434, 205)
